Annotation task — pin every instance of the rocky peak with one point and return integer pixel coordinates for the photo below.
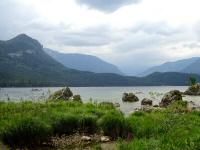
(24, 42)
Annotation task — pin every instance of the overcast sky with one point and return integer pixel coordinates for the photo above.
(132, 34)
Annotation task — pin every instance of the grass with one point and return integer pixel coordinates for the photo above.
(114, 125)
(26, 131)
(169, 129)
(29, 124)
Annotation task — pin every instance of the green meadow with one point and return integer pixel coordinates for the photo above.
(32, 125)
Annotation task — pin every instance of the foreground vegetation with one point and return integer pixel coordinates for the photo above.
(174, 128)
(29, 124)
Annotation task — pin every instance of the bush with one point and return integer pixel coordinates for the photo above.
(193, 80)
(178, 107)
(114, 125)
(77, 98)
(88, 124)
(26, 132)
(65, 124)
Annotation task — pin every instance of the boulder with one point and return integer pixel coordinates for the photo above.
(63, 94)
(193, 90)
(105, 139)
(129, 97)
(146, 108)
(155, 106)
(146, 101)
(170, 97)
(86, 138)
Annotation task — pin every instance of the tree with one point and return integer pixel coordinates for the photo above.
(193, 80)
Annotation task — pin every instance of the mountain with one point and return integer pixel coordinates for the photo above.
(190, 65)
(24, 63)
(168, 78)
(193, 67)
(83, 62)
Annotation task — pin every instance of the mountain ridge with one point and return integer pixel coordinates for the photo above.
(182, 66)
(83, 62)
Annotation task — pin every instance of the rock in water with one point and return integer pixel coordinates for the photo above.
(193, 90)
(129, 97)
(63, 94)
(146, 101)
(170, 97)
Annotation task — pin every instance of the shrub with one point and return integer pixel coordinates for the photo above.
(77, 98)
(88, 124)
(178, 107)
(26, 132)
(65, 124)
(114, 125)
(193, 80)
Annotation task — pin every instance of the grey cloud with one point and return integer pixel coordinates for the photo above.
(192, 45)
(145, 36)
(159, 28)
(138, 42)
(78, 40)
(97, 36)
(14, 16)
(106, 5)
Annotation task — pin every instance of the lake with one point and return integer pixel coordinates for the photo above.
(99, 94)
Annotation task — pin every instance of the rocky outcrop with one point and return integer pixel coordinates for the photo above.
(170, 97)
(146, 101)
(129, 97)
(193, 90)
(63, 94)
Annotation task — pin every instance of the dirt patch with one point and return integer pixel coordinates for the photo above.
(76, 142)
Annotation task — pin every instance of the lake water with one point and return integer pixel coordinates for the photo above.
(99, 94)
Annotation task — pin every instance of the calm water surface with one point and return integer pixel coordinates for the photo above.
(99, 94)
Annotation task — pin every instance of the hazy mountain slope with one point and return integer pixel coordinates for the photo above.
(83, 62)
(193, 68)
(177, 66)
